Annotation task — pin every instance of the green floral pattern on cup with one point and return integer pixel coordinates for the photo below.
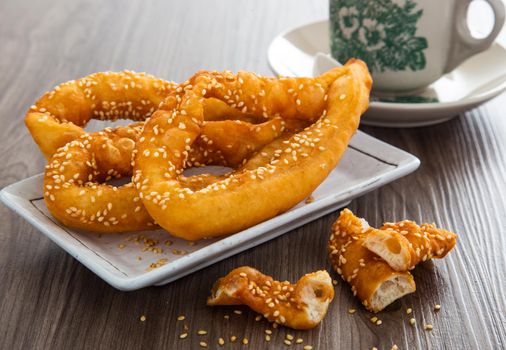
(380, 32)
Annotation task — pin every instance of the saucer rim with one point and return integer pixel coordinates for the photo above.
(385, 106)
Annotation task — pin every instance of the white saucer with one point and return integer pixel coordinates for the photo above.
(474, 82)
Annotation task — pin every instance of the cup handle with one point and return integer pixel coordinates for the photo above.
(464, 44)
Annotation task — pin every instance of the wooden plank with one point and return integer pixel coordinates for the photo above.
(48, 300)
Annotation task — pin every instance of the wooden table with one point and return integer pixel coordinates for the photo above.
(49, 300)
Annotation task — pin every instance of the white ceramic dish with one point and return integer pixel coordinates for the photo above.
(367, 164)
(474, 82)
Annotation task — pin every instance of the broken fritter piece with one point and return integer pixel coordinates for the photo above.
(300, 306)
(372, 280)
(404, 244)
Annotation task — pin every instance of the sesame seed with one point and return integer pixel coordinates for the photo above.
(226, 317)
(299, 341)
(428, 327)
(143, 318)
(379, 322)
(183, 335)
(245, 341)
(289, 337)
(267, 338)
(308, 347)
(287, 342)
(437, 307)
(221, 341)
(268, 331)
(374, 319)
(233, 338)
(258, 318)
(203, 344)
(412, 321)
(352, 311)
(202, 332)
(237, 312)
(409, 310)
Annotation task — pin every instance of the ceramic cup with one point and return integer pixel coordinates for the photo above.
(407, 44)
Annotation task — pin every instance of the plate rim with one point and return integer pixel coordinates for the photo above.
(403, 163)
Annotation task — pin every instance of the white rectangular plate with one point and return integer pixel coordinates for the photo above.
(123, 260)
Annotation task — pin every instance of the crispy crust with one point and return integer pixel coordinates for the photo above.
(372, 280)
(74, 183)
(59, 116)
(74, 188)
(280, 175)
(300, 306)
(80, 162)
(405, 244)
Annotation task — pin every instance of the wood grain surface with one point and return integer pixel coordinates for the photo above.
(50, 301)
